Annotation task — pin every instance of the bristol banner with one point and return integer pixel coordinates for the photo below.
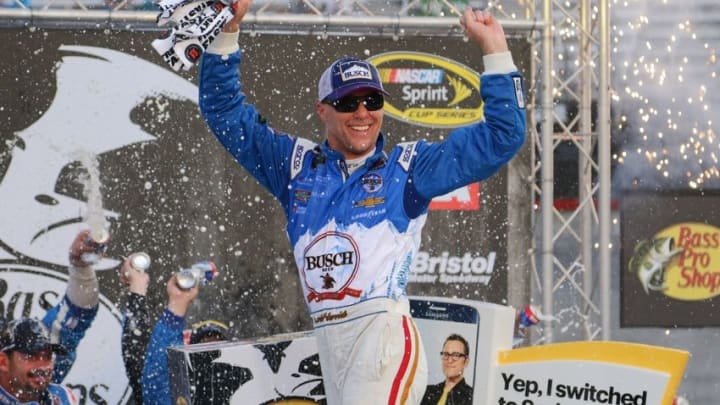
(670, 258)
(95, 123)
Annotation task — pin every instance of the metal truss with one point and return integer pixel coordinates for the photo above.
(572, 271)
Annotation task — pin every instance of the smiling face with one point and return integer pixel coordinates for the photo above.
(454, 365)
(353, 134)
(26, 376)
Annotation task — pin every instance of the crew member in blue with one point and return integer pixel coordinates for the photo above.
(35, 356)
(355, 212)
(26, 365)
(212, 382)
(168, 331)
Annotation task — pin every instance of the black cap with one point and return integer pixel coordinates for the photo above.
(29, 336)
(210, 328)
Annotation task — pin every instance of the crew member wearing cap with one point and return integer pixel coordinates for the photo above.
(36, 353)
(214, 383)
(26, 365)
(355, 212)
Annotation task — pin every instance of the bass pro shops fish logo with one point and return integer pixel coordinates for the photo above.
(680, 262)
(649, 261)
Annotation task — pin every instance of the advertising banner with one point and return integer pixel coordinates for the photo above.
(95, 124)
(670, 259)
(589, 373)
(285, 369)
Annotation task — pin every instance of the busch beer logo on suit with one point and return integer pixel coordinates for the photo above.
(330, 265)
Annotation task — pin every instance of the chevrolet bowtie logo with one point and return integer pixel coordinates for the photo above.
(369, 202)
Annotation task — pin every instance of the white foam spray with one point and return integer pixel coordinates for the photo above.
(94, 216)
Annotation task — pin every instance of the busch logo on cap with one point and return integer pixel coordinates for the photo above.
(346, 75)
(355, 70)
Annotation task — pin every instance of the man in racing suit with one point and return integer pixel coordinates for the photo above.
(35, 356)
(26, 365)
(355, 212)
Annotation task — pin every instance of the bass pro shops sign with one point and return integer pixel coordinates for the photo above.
(671, 259)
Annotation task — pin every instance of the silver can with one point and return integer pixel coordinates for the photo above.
(99, 236)
(186, 279)
(200, 272)
(140, 261)
(98, 240)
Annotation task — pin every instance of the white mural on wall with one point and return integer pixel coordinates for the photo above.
(97, 88)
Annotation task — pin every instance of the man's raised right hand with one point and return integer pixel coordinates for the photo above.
(241, 8)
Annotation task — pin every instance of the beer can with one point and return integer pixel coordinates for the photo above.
(524, 319)
(200, 272)
(98, 240)
(140, 261)
(186, 279)
(100, 236)
(529, 316)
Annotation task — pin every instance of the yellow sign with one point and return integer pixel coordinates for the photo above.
(429, 90)
(589, 373)
(694, 273)
(681, 261)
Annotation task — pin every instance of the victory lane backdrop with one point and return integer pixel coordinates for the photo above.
(173, 191)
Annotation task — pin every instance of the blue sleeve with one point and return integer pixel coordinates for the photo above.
(168, 332)
(239, 127)
(67, 324)
(475, 152)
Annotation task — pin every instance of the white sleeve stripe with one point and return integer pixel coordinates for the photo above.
(302, 147)
(407, 154)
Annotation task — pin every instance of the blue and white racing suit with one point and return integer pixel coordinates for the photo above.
(67, 324)
(355, 236)
(55, 395)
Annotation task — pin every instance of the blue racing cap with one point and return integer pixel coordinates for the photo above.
(29, 336)
(346, 75)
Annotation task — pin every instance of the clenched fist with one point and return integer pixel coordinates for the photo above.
(485, 30)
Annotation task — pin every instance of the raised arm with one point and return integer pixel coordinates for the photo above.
(235, 122)
(136, 325)
(72, 316)
(167, 332)
(476, 152)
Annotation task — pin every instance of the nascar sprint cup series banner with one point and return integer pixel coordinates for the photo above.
(670, 258)
(95, 124)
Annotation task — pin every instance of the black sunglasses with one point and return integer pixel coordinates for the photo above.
(347, 104)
